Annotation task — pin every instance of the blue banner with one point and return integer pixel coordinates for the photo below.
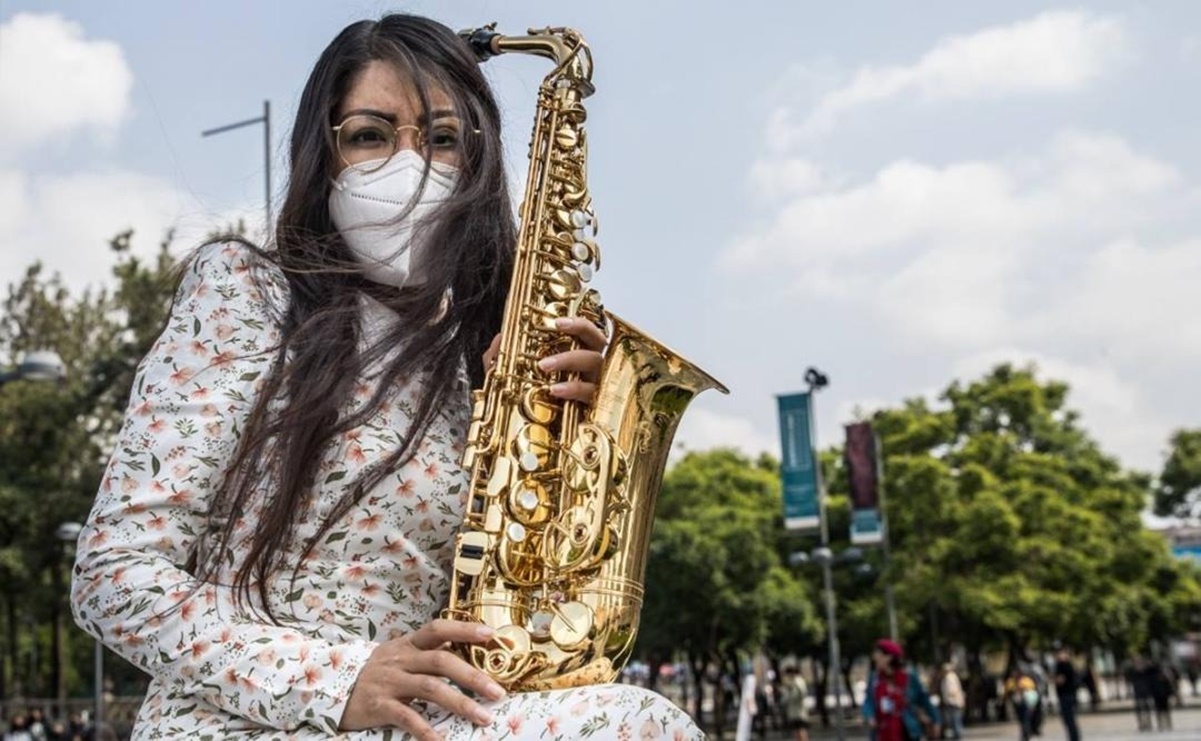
(798, 472)
(862, 457)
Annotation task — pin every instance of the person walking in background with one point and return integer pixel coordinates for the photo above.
(951, 690)
(1139, 678)
(1067, 684)
(1090, 684)
(794, 691)
(896, 706)
(1021, 690)
(747, 708)
(1161, 694)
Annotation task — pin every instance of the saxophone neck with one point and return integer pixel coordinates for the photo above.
(563, 46)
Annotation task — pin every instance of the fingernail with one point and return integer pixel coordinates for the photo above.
(558, 389)
(484, 632)
(493, 691)
(563, 322)
(483, 717)
(547, 364)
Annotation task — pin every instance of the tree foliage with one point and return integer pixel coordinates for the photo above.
(1178, 492)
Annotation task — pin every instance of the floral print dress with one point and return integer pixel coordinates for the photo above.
(223, 672)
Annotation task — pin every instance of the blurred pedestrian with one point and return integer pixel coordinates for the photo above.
(1022, 692)
(1090, 684)
(1138, 675)
(950, 688)
(1161, 695)
(747, 708)
(18, 729)
(1067, 684)
(1191, 670)
(896, 706)
(794, 692)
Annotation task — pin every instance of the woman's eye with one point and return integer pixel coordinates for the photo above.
(368, 138)
(444, 137)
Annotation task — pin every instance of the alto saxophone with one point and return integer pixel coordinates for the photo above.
(552, 551)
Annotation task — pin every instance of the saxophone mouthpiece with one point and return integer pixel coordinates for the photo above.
(482, 41)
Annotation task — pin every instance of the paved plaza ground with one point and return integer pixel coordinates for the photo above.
(1114, 724)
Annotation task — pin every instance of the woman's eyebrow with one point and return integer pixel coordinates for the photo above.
(392, 117)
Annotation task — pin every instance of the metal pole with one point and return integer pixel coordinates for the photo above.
(265, 120)
(827, 574)
(98, 679)
(267, 163)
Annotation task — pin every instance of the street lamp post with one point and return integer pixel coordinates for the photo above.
(38, 365)
(265, 120)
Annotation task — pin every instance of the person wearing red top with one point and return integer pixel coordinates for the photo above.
(896, 702)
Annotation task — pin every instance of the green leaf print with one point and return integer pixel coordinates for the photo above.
(596, 724)
(293, 596)
(155, 466)
(195, 326)
(335, 476)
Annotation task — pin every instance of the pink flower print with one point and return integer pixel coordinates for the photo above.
(604, 699)
(650, 731)
(209, 410)
(118, 575)
(224, 332)
(624, 732)
(213, 429)
(355, 571)
(409, 562)
(98, 538)
(223, 358)
(128, 485)
(266, 657)
(164, 543)
(158, 522)
(426, 525)
(355, 454)
(326, 616)
(678, 735)
(180, 376)
(431, 471)
(133, 641)
(231, 677)
(200, 393)
(579, 708)
(199, 648)
(144, 408)
(304, 653)
(181, 470)
(405, 489)
(180, 498)
(187, 610)
(197, 347)
(392, 547)
(514, 723)
(135, 509)
(362, 391)
(306, 696)
(311, 601)
(157, 487)
(552, 724)
(335, 660)
(422, 506)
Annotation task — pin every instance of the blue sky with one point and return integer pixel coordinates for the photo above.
(899, 194)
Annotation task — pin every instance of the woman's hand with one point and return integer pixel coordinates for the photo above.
(416, 667)
(586, 361)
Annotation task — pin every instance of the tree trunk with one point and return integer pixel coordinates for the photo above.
(698, 679)
(847, 665)
(819, 681)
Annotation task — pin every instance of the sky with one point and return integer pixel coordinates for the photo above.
(899, 194)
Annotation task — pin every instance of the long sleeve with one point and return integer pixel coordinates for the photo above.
(191, 397)
(869, 698)
(919, 698)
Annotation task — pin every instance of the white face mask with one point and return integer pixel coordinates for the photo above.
(364, 207)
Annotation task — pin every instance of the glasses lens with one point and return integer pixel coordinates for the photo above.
(366, 142)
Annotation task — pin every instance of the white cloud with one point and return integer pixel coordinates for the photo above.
(702, 429)
(54, 82)
(959, 254)
(1056, 51)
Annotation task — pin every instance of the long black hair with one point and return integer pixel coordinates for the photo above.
(320, 356)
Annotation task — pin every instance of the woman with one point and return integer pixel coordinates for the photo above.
(272, 539)
(794, 692)
(896, 707)
(1022, 691)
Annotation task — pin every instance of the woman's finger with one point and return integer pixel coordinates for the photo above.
(491, 353)
(585, 362)
(435, 633)
(407, 719)
(581, 391)
(590, 336)
(454, 668)
(441, 693)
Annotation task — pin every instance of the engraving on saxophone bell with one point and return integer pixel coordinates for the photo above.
(552, 551)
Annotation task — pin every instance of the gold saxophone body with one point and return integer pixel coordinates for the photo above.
(552, 551)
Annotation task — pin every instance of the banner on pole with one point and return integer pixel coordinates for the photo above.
(798, 470)
(863, 472)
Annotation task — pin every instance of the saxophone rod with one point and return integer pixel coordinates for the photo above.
(486, 42)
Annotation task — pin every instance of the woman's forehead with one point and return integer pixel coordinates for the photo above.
(382, 87)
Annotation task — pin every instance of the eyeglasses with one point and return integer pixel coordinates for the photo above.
(366, 142)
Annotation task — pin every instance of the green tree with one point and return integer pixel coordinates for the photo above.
(1178, 492)
(55, 438)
